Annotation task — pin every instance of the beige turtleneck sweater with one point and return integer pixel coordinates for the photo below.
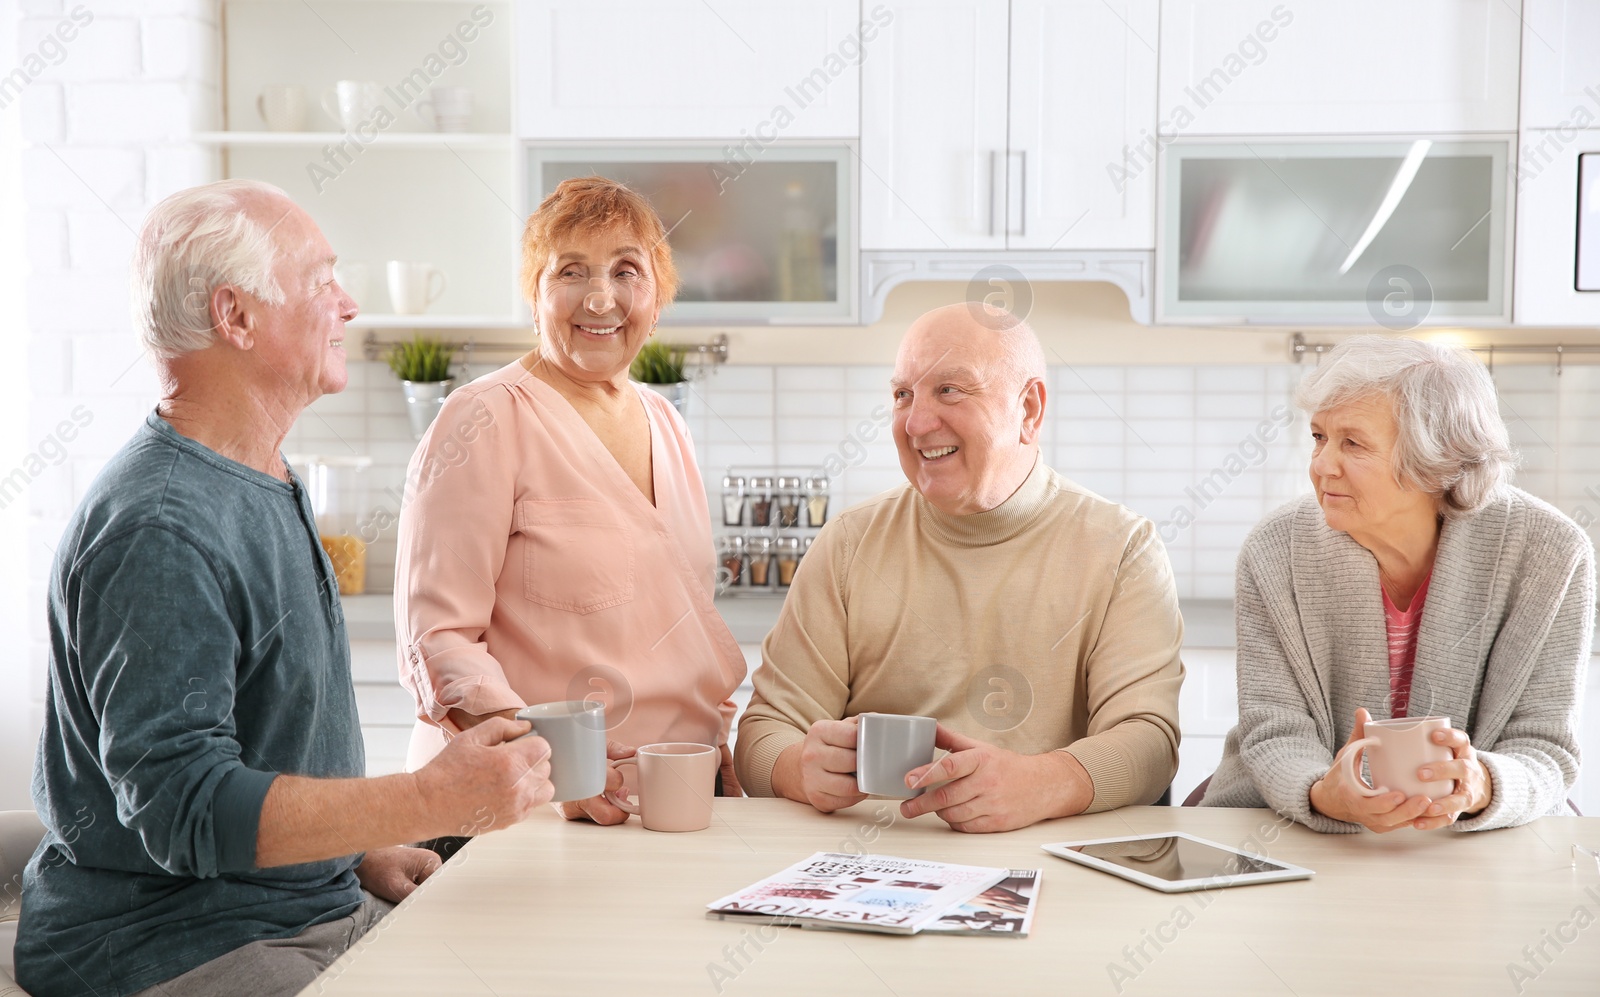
(1049, 622)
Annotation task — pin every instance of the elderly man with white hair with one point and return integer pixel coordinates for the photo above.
(1414, 582)
(199, 773)
(1034, 620)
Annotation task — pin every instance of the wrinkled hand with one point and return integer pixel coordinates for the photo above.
(992, 789)
(487, 777)
(1474, 786)
(393, 873)
(598, 808)
(1336, 796)
(821, 770)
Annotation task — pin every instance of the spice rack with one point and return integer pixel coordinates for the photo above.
(767, 518)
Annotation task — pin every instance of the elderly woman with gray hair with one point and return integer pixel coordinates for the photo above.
(1415, 581)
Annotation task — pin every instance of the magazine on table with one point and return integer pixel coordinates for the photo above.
(859, 892)
(1005, 909)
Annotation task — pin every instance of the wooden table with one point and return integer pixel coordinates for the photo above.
(551, 907)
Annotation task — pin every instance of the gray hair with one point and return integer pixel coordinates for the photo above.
(193, 242)
(1452, 442)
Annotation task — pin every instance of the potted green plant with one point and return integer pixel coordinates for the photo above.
(659, 367)
(423, 367)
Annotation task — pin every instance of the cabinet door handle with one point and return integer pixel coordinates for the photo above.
(992, 155)
(1017, 202)
(1022, 188)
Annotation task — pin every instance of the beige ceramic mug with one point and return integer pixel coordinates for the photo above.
(1395, 749)
(676, 783)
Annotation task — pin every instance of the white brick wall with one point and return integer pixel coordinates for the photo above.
(107, 133)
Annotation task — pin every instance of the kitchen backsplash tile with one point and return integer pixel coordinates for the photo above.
(1203, 452)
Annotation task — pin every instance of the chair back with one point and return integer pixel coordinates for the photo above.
(1198, 793)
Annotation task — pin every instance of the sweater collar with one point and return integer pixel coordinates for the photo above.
(997, 525)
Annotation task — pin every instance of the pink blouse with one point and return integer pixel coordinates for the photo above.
(531, 569)
(1402, 625)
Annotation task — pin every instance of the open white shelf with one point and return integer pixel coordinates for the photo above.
(436, 322)
(393, 140)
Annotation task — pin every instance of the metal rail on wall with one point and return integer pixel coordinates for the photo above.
(706, 354)
(1299, 347)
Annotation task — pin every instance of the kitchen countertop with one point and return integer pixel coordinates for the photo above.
(1207, 622)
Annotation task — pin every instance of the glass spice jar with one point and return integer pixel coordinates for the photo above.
(788, 500)
(733, 500)
(760, 562)
(817, 500)
(788, 559)
(760, 494)
(730, 562)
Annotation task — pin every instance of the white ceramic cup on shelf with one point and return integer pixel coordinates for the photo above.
(1395, 750)
(411, 286)
(282, 107)
(446, 109)
(352, 103)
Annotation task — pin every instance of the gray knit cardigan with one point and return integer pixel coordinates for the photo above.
(1502, 651)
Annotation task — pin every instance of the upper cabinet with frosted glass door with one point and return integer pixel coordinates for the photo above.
(995, 125)
(754, 71)
(753, 243)
(738, 121)
(1395, 232)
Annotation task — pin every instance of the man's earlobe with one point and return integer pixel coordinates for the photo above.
(231, 322)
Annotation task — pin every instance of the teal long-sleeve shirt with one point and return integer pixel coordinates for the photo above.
(197, 650)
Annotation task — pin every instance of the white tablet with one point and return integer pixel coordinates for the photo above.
(1174, 862)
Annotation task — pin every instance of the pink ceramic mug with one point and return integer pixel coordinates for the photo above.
(1395, 750)
(676, 783)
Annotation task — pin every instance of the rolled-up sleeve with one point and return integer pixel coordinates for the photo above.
(455, 526)
(160, 654)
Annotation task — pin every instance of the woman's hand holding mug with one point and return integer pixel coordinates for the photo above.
(1342, 795)
(1474, 786)
(598, 808)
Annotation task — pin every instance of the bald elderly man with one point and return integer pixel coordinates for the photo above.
(208, 829)
(1035, 620)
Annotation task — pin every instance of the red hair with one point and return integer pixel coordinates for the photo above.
(595, 204)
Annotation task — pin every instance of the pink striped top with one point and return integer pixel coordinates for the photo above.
(1403, 626)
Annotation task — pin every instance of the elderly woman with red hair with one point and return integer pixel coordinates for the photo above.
(554, 543)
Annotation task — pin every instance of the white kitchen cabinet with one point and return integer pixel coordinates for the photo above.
(1561, 64)
(1083, 94)
(1362, 67)
(995, 125)
(685, 69)
(385, 709)
(933, 128)
(1547, 229)
(1208, 708)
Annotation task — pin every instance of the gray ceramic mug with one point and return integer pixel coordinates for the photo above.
(888, 745)
(576, 731)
